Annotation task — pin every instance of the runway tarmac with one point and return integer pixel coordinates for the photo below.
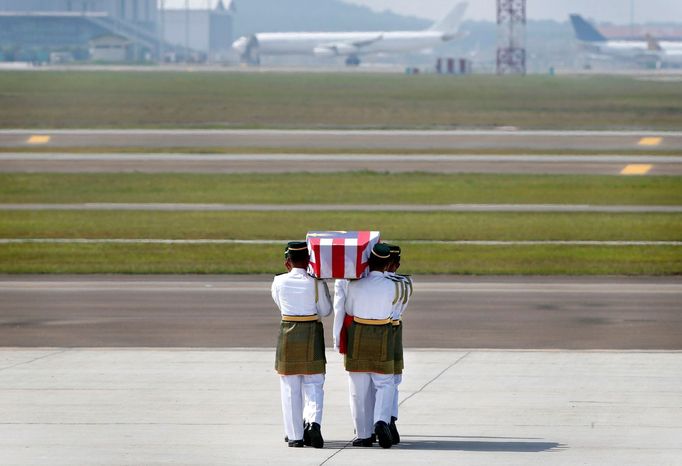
(237, 311)
(112, 407)
(358, 139)
(285, 163)
(104, 407)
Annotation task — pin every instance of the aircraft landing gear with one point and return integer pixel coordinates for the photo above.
(352, 60)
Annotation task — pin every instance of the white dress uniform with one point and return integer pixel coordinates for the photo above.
(365, 416)
(297, 294)
(398, 310)
(370, 298)
(340, 291)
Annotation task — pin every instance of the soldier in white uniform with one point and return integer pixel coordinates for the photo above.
(340, 290)
(342, 321)
(370, 356)
(401, 302)
(300, 359)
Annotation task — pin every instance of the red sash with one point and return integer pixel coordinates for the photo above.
(343, 336)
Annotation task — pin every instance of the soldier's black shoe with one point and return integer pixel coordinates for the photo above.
(362, 442)
(286, 439)
(383, 434)
(306, 433)
(394, 431)
(374, 438)
(315, 435)
(296, 444)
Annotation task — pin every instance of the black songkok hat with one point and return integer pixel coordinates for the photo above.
(296, 250)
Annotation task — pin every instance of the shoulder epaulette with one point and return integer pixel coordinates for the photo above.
(398, 291)
(408, 281)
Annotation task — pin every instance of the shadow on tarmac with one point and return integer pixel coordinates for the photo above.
(462, 445)
(473, 445)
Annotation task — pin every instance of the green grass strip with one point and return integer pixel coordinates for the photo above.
(342, 188)
(286, 225)
(77, 99)
(418, 259)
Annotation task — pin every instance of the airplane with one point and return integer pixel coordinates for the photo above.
(350, 45)
(644, 52)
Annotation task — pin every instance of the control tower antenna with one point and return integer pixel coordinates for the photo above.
(511, 37)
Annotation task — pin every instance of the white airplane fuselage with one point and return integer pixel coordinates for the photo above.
(669, 53)
(349, 44)
(341, 43)
(648, 51)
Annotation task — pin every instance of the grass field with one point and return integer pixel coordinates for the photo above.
(243, 259)
(345, 188)
(418, 258)
(393, 226)
(83, 99)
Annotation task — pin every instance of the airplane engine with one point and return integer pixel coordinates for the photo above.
(247, 47)
(334, 50)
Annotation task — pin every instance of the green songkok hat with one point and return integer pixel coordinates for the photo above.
(395, 250)
(381, 251)
(296, 250)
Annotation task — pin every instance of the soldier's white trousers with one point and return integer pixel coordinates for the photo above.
(369, 404)
(302, 398)
(397, 378)
(365, 414)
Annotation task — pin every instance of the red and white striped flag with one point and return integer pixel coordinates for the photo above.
(340, 254)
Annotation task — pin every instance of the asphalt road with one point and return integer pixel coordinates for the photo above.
(285, 163)
(446, 312)
(340, 140)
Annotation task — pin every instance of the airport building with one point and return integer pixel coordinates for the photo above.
(110, 31)
(208, 32)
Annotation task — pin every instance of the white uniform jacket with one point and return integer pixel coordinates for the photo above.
(340, 291)
(371, 297)
(298, 294)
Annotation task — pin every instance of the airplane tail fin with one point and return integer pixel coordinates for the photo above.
(452, 21)
(584, 31)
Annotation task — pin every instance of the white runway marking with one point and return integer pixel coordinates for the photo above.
(188, 157)
(263, 286)
(279, 241)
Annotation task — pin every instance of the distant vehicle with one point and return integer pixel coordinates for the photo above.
(641, 52)
(350, 45)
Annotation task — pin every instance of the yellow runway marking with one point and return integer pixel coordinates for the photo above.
(38, 139)
(636, 170)
(650, 141)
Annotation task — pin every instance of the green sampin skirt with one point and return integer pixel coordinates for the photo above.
(370, 348)
(300, 349)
